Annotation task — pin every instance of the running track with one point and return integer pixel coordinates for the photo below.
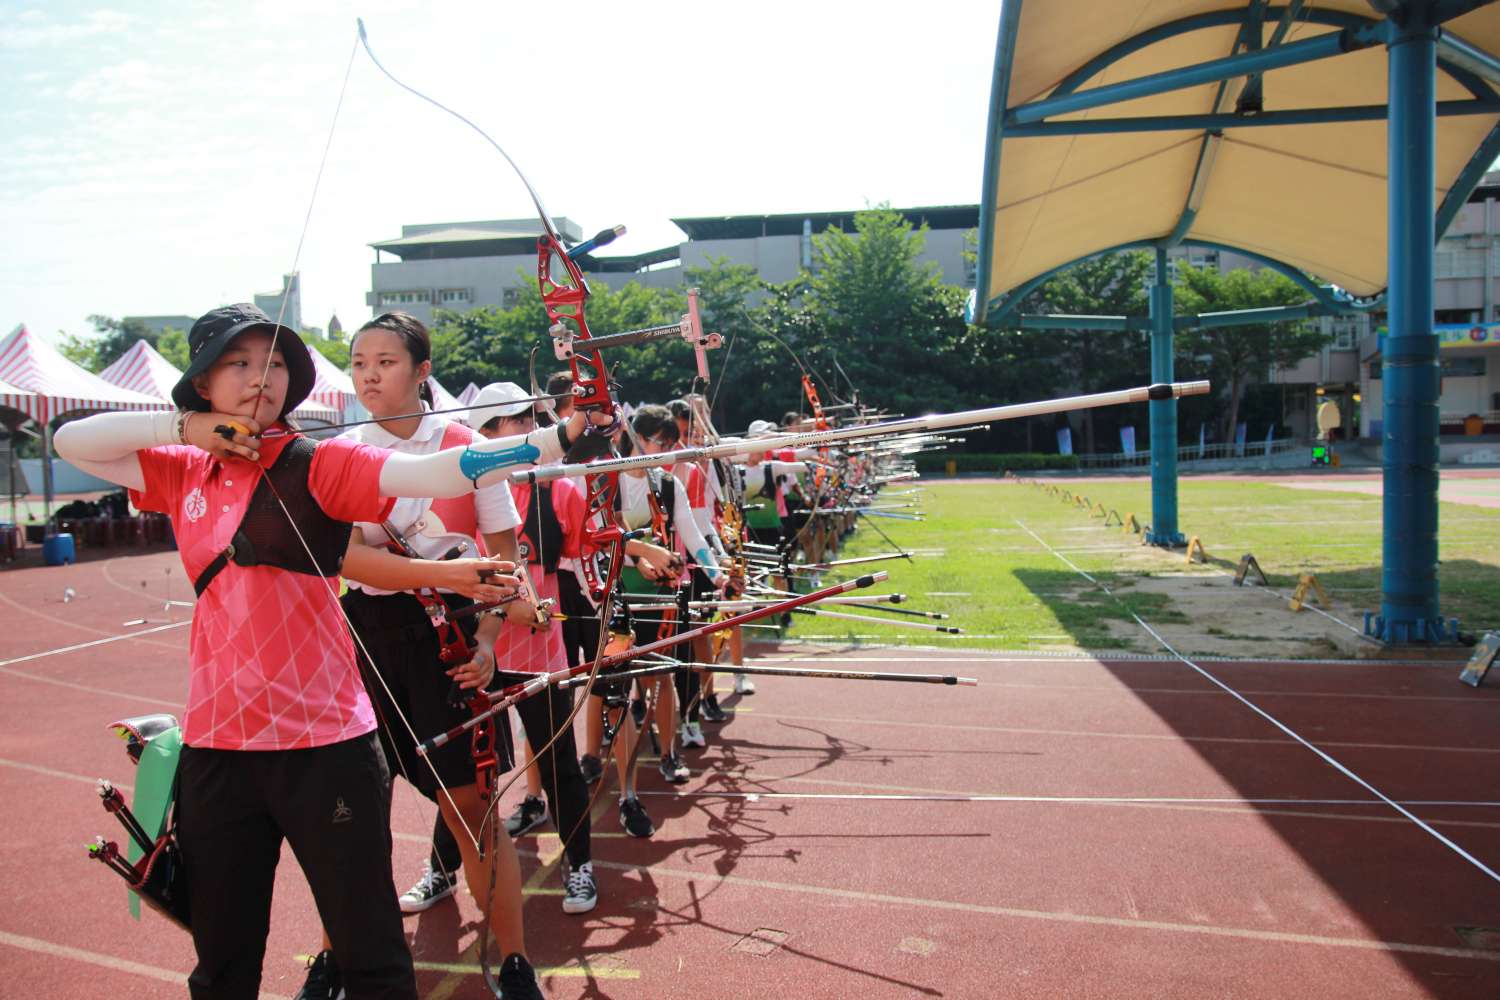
(1070, 828)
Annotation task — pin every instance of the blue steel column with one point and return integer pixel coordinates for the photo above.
(1163, 414)
(1408, 583)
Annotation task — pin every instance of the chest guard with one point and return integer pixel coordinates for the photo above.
(265, 539)
(542, 524)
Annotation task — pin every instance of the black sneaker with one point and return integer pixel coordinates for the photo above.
(638, 711)
(591, 767)
(581, 895)
(323, 980)
(711, 710)
(530, 814)
(673, 769)
(634, 819)
(518, 980)
(431, 887)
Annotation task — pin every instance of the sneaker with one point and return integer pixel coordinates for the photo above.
(711, 710)
(518, 980)
(530, 814)
(591, 767)
(673, 769)
(581, 894)
(431, 887)
(323, 980)
(743, 684)
(634, 819)
(690, 734)
(638, 711)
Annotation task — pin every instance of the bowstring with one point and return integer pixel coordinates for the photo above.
(255, 407)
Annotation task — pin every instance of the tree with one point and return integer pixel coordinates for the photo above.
(110, 339)
(1086, 361)
(1238, 355)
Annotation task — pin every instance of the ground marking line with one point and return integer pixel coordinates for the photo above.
(1326, 757)
(473, 969)
(1044, 656)
(54, 773)
(106, 961)
(1046, 799)
(88, 688)
(73, 623)
(1245, 933)
(1088, 734)
(95, 642)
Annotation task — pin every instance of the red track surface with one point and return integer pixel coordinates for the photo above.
(775, 872)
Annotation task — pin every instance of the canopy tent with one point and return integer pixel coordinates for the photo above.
(442, 399)
(58, 388)
(331, 387)
(1283, 155)
(12, 416)
(467, 396)
(1335, 139)
(143, 369)
(12, 396)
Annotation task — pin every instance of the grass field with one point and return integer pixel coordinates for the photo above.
(976, 560)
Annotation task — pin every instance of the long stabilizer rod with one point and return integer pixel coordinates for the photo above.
(807, 439)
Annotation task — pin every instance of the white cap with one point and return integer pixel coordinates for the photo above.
(498, 399)
(760, 428)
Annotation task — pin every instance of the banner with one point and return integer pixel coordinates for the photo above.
(1065, 440)
(1127, 440)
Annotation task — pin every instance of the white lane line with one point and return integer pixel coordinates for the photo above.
(1231, 800)
(1093, 734)
(91, 689)
(87, 645)
(1124, 923)
(52, 772)
(1327, 758)
(54, 950)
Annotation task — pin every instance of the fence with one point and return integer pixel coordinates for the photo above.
(1187, 454)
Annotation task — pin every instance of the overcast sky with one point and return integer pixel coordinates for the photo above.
(160, 157)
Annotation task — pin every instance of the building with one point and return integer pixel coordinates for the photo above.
(1466, 314)
(285, 305)
(161, 324)
(469, 265)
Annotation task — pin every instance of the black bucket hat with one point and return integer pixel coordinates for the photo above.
(213, 333)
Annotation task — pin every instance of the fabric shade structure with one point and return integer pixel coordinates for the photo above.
(467, 396)
(11, 395)
(1286, 160)
(60, 387)
(143, 369)
(331, 387)
(442, 399)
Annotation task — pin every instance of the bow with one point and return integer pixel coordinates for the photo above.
(453, 650)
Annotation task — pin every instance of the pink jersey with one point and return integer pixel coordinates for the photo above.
(272, 665)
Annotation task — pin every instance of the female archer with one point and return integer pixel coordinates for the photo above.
(279, 732)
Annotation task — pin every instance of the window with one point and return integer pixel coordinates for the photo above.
(405, 298)
(1463, 366)
(510, 297)
(454, 296)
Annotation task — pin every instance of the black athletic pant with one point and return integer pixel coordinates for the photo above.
(332, 803)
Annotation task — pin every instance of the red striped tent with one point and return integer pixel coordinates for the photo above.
(331, 387)
(11, 395)
(61, 387)
(143, 369)
(442, 399)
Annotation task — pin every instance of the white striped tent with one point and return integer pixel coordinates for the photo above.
(60, 387)
(442, 399)
(331, 388)
(467, 396)
(144, 370)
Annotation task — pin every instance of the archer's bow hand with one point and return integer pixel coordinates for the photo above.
(485, 581)
(479, 670)
(223, 435)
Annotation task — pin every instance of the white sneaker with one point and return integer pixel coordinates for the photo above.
(431, 887)
(690, 734)
(743, 684)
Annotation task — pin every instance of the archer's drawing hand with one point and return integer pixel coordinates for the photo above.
(484, 581)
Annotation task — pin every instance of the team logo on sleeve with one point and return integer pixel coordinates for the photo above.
(194, 505)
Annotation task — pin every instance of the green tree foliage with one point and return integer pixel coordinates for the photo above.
(173, 346)
(1086, 361)
(1235, 356)
(110, 339)
(335, 351)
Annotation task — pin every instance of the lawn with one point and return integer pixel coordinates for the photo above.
(975, 559)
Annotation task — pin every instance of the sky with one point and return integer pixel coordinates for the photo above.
(160, 158)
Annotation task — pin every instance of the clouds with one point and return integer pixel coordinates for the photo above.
(35, 30)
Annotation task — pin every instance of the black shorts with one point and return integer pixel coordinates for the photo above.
(402, 642)
(765, 535)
